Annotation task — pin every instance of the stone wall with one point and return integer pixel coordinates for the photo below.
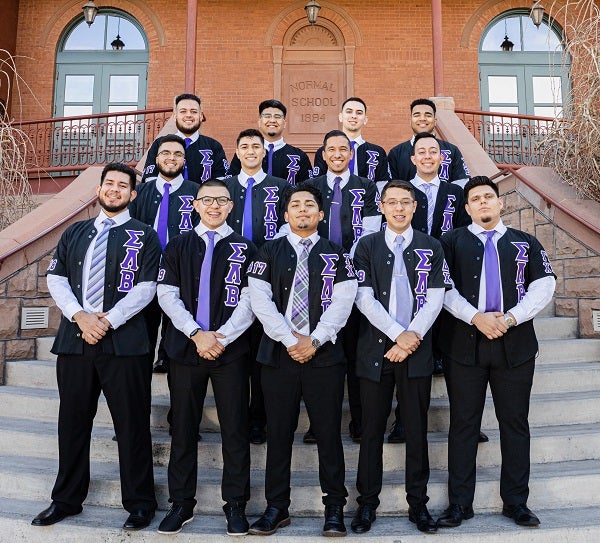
(577, 266)
(25, 288)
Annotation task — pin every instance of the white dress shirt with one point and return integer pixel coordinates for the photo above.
(386, 320)
(279, 326)
(279, 144)
(131, 304)
(538, 295)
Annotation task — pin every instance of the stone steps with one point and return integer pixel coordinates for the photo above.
(37, 439)
(553, 485)
(100, 524)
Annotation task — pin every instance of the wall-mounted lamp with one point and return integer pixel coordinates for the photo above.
(90, 10)
(312, 11)
(537, 13)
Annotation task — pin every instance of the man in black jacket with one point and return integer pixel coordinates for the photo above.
(102, 275)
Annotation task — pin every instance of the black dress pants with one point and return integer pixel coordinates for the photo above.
(323, 391)
(188, 391)
(511, 391)
(413, 396)
(125, 382)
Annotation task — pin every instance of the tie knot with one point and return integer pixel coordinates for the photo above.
(210, 234)
(337, 180)
(188, 142)
(271, 147)
(306, 243)
(427, 187)
(399, 241)
(352, 145)
(167, 187)
(250, 182)
(490, 234)
(108, 222)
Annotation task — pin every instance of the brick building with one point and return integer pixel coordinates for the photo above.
(246, 52)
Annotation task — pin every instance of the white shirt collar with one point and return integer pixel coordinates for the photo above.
(417, 182)
(331, 176)
(175, 184)
(390, 237)
(193, 137)
(120, 218)
(258, 177)
(295, 239)
(478, 229)
(223, 231)
(276, 144)
(358, 141)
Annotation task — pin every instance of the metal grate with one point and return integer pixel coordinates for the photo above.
(596, 320)
(34, 317)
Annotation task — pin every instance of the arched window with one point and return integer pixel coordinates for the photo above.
(531, 77)
(101, 68)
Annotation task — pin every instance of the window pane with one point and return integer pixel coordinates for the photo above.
(123, 88)
(539, 39)
(84, 38)
(74, 111)
(502, 89)
(129, 33)
(495, 35)
(547, 90)
(79, 88)
(548, 111)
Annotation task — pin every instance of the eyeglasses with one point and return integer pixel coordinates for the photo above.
(402, 203)
(269, 116)
(210, 200)
(177, 155)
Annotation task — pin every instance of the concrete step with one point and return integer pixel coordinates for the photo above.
(546, 409)
(101, 524)
(548, 444)
(552, 485)
(559, 351)
(556, 327)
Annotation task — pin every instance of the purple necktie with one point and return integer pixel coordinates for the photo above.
(270, 159)
(335, 215)
(247, 220)
(492, 275)
(203, 310)
(188, 142)
(163, 216)
(353, 159)
(300, 317)
(404, 299)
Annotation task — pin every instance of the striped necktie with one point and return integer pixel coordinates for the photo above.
(300, 300)
(428, 189)
(404, 301)
(95, 287)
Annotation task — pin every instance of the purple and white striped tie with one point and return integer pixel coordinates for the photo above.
(300, 301)
(94, 293)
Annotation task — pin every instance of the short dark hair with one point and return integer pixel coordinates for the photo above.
(250, 133)
(333, 134)
(423, 102)
(398, 184)
(213, 183)
(354, 99)
(187, 96)
(479, 181)
(422, 136)
(303, 187)
(171, 137)
(272, 103)
(119, 167)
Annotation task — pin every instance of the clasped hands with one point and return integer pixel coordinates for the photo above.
(207, 345)
(302, 351)
(491, 324)
(93, 326)
(406, 344)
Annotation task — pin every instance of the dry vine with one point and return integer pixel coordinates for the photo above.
(15, 190)
(572, 147)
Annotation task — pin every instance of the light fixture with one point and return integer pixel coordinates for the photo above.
(117, 44)
(312, 11)
(537, 13)
(89, 12)
(507, 45)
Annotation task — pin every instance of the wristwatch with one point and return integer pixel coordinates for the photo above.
(194, 332)
(509, 320)
(315, 343)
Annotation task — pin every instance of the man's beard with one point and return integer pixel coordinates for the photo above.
(185, 130)
(116, 208)
(169, 174)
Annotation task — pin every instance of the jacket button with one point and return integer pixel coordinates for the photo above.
(388, 262)
(381, 341)
(475, 277)
(384, 293)
(376, 364)
(78, 335)
(289, 269)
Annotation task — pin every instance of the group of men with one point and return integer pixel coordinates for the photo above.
(276, 273)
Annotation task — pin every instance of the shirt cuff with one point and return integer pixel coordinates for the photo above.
(469, 314)
(115, 318)
(289, 340)
(394, 331)
(189, 327)
(71, 309)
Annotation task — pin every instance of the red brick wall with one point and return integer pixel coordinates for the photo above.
(8, 42)
(235, 69)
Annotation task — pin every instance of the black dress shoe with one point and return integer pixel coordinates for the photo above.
(160, 366)
(309, 438)
(454, 515)
(421, 517)
(482, 437)
(521, 514)
(363, 518)
(355, 430)
(438, 367)
(52, 515)
(237, 523)
(137, 520)
(258, 435)
(334, 521)
(397, 434)
(271, 519)
(177, 517)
